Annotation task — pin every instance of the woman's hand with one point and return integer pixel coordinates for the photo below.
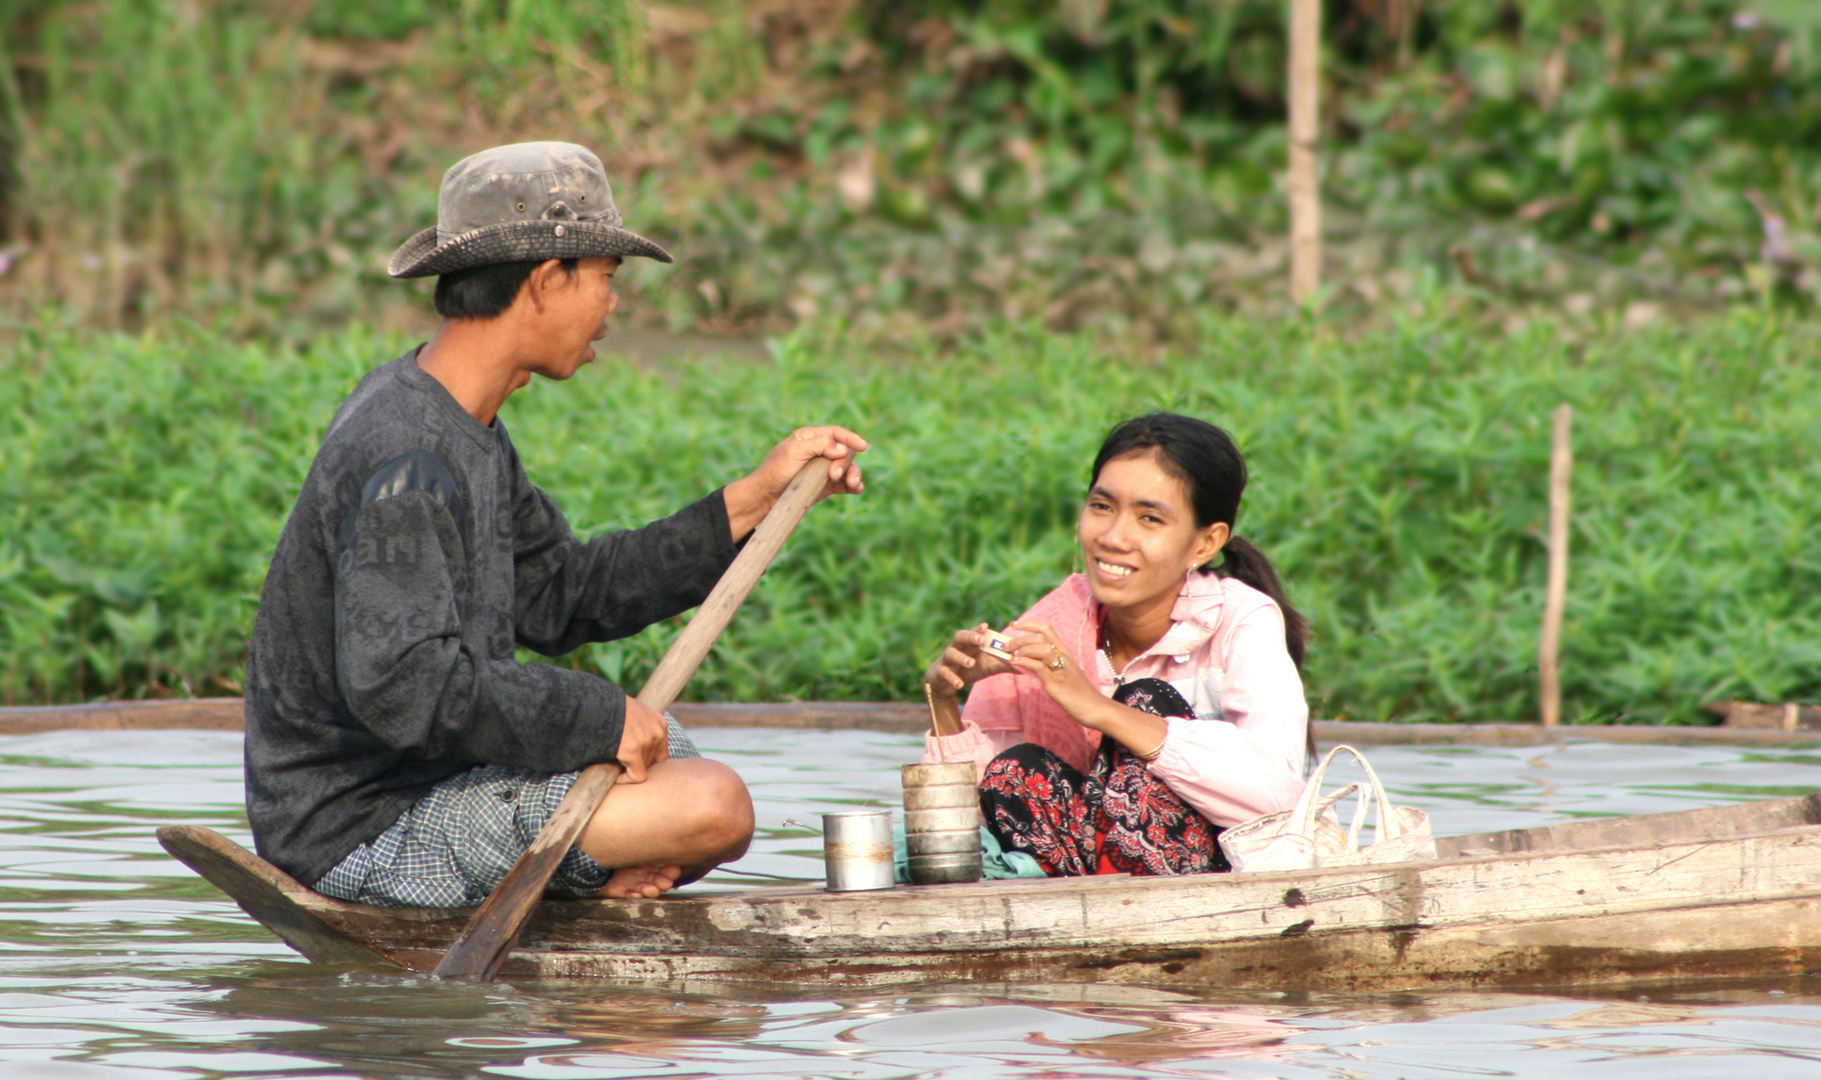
(1039, 652)
(962, 664)
(751, 497)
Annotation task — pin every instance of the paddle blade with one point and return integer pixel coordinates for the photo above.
(494, 927)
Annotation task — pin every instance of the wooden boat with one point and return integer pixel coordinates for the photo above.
(1718, 892)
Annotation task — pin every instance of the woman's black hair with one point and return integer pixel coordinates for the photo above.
(1208, 462)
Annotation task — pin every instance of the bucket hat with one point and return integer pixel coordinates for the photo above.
(516, 203)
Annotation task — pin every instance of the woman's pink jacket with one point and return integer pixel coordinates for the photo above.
(1241, 757)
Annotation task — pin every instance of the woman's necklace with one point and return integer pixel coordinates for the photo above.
(1106, 650)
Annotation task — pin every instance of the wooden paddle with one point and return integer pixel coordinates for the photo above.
(494, 928)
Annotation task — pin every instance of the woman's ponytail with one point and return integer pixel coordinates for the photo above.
(1244, 562)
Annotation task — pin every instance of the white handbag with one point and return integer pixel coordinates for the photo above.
(1305, 836)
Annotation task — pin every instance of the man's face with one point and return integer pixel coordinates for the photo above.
(574, 313)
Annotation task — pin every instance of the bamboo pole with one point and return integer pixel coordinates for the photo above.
(1304, 187)
(1555, 597)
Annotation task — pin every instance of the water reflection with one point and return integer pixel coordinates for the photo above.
(558, 1031)
(117, 964)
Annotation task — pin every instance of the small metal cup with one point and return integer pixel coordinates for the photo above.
(857, 850)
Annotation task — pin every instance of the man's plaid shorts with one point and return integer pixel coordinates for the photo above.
(458, 842)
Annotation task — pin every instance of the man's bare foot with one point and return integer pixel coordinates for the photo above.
(644, 881)
(689, 816)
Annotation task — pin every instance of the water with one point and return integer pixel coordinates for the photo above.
(117, 964)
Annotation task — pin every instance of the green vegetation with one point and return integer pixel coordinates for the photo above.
(1399, 483)
(256, 161)
(885, 165)
(961, 183)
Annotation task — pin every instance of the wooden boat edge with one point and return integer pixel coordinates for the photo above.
(333, 931)
(274, 899)
(1584, 952)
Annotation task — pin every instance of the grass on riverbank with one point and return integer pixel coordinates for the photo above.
(1399, 482)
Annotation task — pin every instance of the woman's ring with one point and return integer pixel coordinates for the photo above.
(1057, 663)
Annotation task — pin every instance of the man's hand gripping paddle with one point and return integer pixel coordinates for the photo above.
(494, 928)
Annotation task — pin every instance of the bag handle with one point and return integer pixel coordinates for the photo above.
(1311, 803)
(1355, 788)
(1389, 828)
(1361, 794)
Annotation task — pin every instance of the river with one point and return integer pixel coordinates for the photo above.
(116, 963)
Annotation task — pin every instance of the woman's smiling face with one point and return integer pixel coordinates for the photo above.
(1138, 532)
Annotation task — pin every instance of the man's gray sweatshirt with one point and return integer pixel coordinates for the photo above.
(418, 554)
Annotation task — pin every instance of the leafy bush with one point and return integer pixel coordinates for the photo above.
(1398, 481)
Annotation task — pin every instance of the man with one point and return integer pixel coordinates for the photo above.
(396, 752)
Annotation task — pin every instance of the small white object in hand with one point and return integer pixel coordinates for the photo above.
(999, 645)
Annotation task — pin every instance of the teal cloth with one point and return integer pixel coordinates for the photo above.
(995, 862)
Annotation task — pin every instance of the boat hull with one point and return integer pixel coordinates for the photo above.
(1693, 895)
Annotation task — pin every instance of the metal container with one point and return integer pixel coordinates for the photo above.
(857, 850)
(944, 796)
(942, 823)
(943, 869)
(947, 784)
(942, 843)
(943, 819)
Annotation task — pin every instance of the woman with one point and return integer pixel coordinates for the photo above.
(1151, 701)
